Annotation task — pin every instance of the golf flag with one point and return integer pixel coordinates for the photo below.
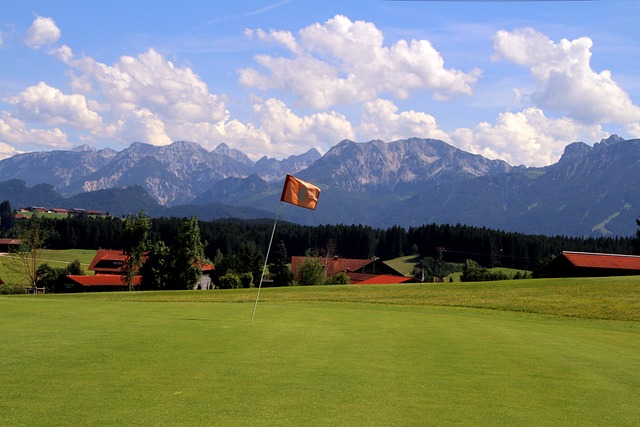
(300, 193)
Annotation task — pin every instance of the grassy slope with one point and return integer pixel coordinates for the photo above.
(11, 269)
(613, 298)
(348, 355)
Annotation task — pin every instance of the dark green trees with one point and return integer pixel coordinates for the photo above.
(6, 215)
(177, 266)
(135, 242)
(279, 270)
(187, 253)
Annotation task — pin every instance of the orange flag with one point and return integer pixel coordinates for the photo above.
(300, 193)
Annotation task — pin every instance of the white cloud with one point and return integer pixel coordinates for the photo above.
(345, 62)
(15, 132)
(566, 81)
(380, 120)
(284, 38)
(633, 129)
(526, 137)
(146, 98)
(283, 125)
(278, 131)
(42, 32)
(7, 151)
(49, 105)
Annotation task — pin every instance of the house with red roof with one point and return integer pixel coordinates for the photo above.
(108, 264)
(360, 271)
(586, 264)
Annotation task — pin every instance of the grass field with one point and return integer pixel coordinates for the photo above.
(526, 352)
(11, 270)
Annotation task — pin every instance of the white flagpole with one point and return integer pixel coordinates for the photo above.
(266, 259)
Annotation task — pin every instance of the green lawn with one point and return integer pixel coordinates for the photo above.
(526, 352)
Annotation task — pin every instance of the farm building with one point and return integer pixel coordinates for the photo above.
(107, 266)
(359, 271)
(9, 245)
(585, 264)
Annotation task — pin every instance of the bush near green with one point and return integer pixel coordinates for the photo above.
(310, 272)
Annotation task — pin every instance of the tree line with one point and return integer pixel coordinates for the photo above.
(240, 245)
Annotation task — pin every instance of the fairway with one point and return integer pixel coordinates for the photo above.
(88, 360)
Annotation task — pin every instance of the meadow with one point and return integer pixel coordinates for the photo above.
(12, 271)
(523, 352)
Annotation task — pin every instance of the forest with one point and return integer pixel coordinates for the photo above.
(248, 240)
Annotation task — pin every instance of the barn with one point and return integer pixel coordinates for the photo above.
(586, 264)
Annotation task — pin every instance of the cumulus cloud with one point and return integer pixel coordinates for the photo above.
(15, 132)
(566, 82)
(7, 151)
(42, 32)
(145, 98)
(345, 62)
(45, 103)
(380, 120)
(526, 137)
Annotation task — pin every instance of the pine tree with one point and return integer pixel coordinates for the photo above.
(279, 269)
(135, 241)
(188, 254)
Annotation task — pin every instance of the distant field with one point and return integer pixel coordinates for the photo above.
(534, 352)
(11, 269)
(405, 266)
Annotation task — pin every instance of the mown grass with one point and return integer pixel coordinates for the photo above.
(326, 356)
(610, 298)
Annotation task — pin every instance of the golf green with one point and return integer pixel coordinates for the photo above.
(85, 362)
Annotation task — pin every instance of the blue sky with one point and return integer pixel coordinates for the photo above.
(515, 80)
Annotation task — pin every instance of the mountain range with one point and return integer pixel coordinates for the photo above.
(590, 191)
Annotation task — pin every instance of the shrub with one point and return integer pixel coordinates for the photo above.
(473, 272)
(246, 279)
(310, 272)
(12, 289)
(339, 279)
(230, 281)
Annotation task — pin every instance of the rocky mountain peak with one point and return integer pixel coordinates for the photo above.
(612, 140)
(236, 155)
(574, 152)
(84, 148)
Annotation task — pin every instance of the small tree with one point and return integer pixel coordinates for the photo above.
(473, 272)
(310, 272)
(135, 241)
(33, 236)
(280, 272)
